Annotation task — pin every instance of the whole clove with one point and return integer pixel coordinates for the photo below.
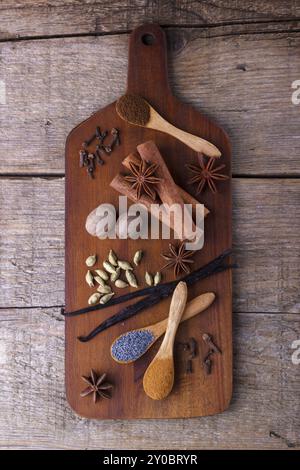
(100, 135)
(213, 349)
(101, 146)
(88, 142)
(189, 367)
(90, 171)
(83, 160)
(116, 137)
(91, 165)
(208, 339)
(98, 156)
(90, 159)
(207, 363)
(107, 149)
(192, 348)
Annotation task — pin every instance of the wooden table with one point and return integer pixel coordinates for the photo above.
(236, 61)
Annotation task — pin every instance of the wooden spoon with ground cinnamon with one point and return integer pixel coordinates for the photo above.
(136, 110)
(158, 380)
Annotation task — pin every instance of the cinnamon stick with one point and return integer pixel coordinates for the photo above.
(124, 187)
(167, 189)
(187, 198)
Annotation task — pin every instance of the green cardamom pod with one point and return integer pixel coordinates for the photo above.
(121, 284)
(114, 276)
(102, 274)
(104, 289)
(125, 265)
(137, 257)
(157, 278)
(94, 299)
(89, 278)
(100, 281)
(91, 260)
(149, 279)
(109, 267)
(112, 258)
(131, 279)
(106, 298)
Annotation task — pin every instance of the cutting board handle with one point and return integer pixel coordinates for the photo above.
(147, 63)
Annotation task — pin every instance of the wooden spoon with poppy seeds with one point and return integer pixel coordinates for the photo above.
(133, 344)
(158, 380)
(137, 111)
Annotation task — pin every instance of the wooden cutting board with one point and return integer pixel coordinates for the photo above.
(195, 394)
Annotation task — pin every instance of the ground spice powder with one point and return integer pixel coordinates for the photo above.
(134, 109)
(159, 378)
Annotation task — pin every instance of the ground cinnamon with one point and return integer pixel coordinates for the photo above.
(159, 379)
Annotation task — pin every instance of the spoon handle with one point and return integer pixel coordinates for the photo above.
(177, 307)
(192, 308)
(194, 142)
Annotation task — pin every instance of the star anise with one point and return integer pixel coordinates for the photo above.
(178, 258)
(206, 174)
(96, 386)
(142, 178)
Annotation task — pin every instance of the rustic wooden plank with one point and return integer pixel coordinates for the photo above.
(266, 231)
(38, 18)
(243, 82)
(32, 242)
(34, 413)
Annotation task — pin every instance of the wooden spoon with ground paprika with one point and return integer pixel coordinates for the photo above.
(158, 380)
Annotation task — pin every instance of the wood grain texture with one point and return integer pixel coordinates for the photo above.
(39, 18)
(83, 195)
(34, 413)
(32, 242)
(266, 242)
(68, 79)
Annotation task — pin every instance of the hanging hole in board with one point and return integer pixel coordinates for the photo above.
(148, 39)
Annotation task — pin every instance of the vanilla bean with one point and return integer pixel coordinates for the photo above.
(132, 310)
(123, 315)
(207, 363)
(210, 268)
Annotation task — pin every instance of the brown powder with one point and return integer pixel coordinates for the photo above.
(134, 109)
(159, 378)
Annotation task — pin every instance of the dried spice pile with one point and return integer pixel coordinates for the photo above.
(132, 345)
(133, 108)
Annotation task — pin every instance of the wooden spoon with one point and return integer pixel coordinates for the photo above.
(137, 111)
(195, 306)
(159, 377)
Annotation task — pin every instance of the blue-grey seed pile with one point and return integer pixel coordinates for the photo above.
(132, 345)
